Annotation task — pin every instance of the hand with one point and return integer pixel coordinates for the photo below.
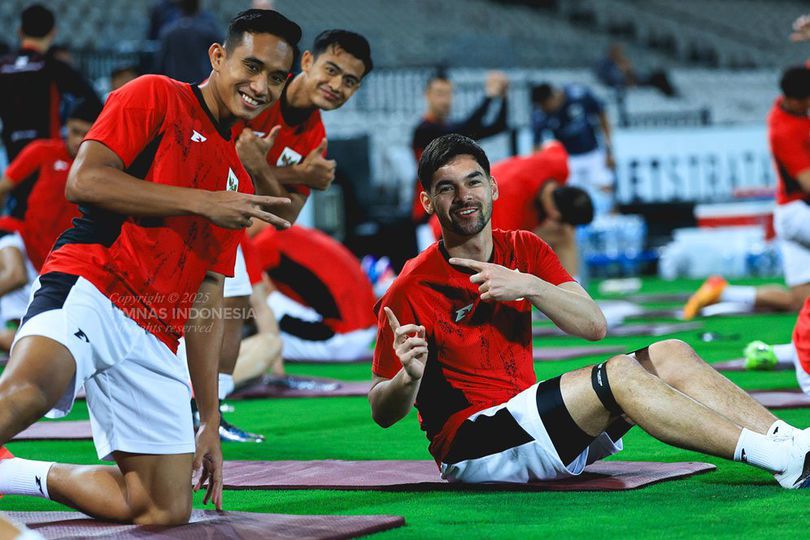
(209, 456)
(410, 346)
(801, 29)
(496, 84)
(317, 171)
(498, 283)
(234, 210)
(610, 162)
(253, 150)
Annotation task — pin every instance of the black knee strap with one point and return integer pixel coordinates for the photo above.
(601, 385)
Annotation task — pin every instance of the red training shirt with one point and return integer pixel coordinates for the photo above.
(789, 137)
(480, 353)
(801, 336)
(48, 213)
(152, 268)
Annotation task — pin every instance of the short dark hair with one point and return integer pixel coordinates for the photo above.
(262, 21)
(795, 82)
(120, 70)
(439, 75)
(36, 21)
(541, 93)
(85, 109)
(351, 42)
(442, 150)
(574, 205)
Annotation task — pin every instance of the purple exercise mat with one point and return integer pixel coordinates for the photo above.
(646, 298)
(363, 360)
(424, 475)
(265, 390)
(210, 524)
(624, 330)
(738, 364)
(782, 399)
(544, 354)
(65, 430)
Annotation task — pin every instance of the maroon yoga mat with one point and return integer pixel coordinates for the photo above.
(543, 354)
(65, 430)
(263, 389)
(210, 524)
(624, 330)
(363, 360)
(424, 476)
(782, 399)
(738, 364)
(646, 298)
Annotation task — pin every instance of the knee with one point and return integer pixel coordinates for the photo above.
(623, 370)
(176, 513)
(673, 358)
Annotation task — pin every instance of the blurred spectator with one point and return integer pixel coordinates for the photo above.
(435, 123)
(801, 29)
(262, 4)
(161, 14)
(62, 53)
(183, 53)
(571, 114)
(616, 70)
(122, 75)
(34, 84)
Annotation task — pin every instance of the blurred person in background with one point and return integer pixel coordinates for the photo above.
(574, 116)
(182, 54)
(122, 75)
(616, 70)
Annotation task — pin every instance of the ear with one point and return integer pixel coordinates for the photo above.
(494, 185)
(217, 54)
(427, 204)
(307, 59)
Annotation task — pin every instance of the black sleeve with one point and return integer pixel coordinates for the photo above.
(70, 81)
(474, 128)
(427, 132)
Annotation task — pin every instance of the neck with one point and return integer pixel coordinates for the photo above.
(37, 44)
(297, 96)
(214, 103)
(791, 106)
(477, 248)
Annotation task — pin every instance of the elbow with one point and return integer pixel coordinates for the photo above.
(598, 329)
(380, 419)
(77, 188)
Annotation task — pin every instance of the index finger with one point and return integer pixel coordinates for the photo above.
(467, 263)
(269, 200)
(270, 218)
(392, 319)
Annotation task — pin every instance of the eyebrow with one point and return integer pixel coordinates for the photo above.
(253, 60)
(473, 175)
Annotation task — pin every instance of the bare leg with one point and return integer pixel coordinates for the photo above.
(678, 365)
(232, 337)
(259, 354)
(659, 409)
(780, 298)
(143, 489)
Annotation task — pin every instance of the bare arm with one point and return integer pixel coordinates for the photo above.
(804, 180)
(607, 135)
(567, 305)
(12, 270)
(97, 178)
(392, 399)
(315, 171)
(203, 345)
(6, 185)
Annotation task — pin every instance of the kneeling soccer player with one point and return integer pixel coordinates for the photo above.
(463, 356)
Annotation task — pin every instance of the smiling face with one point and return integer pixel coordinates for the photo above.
(76, 131)
(250, 77)
(331, 78)
(461, 196)
(439, 97)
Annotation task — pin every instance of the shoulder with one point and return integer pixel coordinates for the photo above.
(522, 242)
(577, 91)
(148, 87)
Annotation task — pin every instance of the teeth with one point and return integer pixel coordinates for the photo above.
(249, 99)
(467, 212)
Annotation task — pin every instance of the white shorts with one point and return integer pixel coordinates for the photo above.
(138, 390)
(589, 172)
(239, 284)
(14, 303)
(792, 224)
(515, 446)
(346, 347)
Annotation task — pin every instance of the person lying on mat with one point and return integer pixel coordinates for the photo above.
(454, 339)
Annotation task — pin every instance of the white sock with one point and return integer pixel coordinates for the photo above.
(742, 294)
(782, 428)
(785, 353)
(225, 385)
(24, 477)
(760, 451)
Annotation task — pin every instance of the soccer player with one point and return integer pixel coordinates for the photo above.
(571, 115)
(163, 198)
(283, 149)
(454, 338)
(47, 213)
(789, 137)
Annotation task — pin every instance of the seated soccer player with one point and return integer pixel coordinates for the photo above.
(45, 164)
(454, 339)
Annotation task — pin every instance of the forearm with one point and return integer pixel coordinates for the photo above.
(392, 399)
(266, 179)
(606, 132)
(573, 312)
(203, 346)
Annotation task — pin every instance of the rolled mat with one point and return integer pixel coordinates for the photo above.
(66, 430)
(545, 354)
(738, 364)
(210, 524)
(424, 476)
(782, 399)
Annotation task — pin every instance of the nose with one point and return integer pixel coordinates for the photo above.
(259, 86)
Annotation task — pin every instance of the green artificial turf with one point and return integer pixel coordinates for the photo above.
(735, 501)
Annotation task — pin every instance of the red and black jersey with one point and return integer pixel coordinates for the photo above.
(319, 272)
(301, 133)
(152, 268)
(48, 213)
(801, 336)
(480, 353)
(789, 137)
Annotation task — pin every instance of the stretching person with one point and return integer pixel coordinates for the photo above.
(462, 354)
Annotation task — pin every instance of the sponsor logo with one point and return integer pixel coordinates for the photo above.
(60, 165)
(288, 157)
(81, 335)
(461, 313)
(196, 136)
(38, 480)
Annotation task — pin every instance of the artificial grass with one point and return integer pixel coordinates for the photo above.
(734, 501)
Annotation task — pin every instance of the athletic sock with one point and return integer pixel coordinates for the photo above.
(225, 385)
(742, 294)
(785, 353)
(782, 429)
(760, 451)
(24, 477)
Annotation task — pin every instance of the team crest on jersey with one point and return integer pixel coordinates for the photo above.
(288, 157)
(60, 165)
(233, 181)
(196, 136)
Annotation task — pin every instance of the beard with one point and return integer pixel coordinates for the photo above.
(467, 227)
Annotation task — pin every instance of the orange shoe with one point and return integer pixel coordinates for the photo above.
(708, 294)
